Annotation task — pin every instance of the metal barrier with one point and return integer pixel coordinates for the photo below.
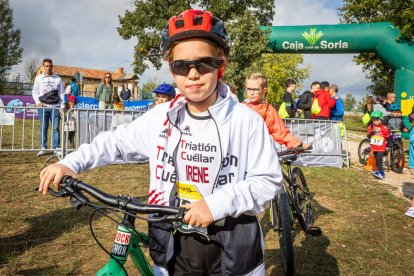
(20, 128)
(328, 138)
(20, 131)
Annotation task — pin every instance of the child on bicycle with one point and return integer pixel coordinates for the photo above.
(203, 148)
(255, 87)
(378, 133)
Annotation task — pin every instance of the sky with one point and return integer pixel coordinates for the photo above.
(82, 33)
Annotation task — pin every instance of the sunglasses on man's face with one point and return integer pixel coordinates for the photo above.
(202, 65)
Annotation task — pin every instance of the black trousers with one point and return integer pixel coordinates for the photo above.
(378, 159)
(193, 255)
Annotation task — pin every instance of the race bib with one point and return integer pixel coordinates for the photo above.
(188, 192)
(377, 140)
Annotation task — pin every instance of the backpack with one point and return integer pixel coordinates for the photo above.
(315, 109)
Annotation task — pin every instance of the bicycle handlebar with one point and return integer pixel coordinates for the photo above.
(73, 187)
(294, 151)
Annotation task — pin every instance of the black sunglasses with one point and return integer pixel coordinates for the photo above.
(202, 65)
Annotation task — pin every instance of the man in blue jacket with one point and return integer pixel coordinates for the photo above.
(337, 112)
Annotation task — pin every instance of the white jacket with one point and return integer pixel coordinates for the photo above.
(249, 175)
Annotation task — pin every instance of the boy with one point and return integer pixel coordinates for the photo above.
(395, 121)
(163, 93)
(287, 98)
(240, 173)
(255, 88)
(378, 133)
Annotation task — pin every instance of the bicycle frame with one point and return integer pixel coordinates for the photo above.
(127, 242)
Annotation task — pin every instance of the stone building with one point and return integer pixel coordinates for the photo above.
(89, 79)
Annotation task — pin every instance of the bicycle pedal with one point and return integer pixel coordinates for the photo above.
(315, 231)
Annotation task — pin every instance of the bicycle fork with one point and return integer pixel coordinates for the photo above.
(127, 241)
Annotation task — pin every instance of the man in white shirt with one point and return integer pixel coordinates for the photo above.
(48, 91)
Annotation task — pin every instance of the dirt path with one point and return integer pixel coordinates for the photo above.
(402, 184)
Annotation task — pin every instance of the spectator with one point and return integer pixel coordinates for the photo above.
(325, 86)
(325, 102)
(306, 100)
(48, 92)
(379, 106)
(369, 105)
(118, 104)
(70, 126)
(163, 93)
(104, 92)
(390, 100)
(74, 87)
(337, 111)
(125, 92)
(287, 98)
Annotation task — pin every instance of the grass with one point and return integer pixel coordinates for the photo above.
(364, 229)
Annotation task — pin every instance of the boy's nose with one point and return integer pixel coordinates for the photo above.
(193, 73)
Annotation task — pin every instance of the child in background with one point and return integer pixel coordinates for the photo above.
(255, 87)
(70, 126)
(378, 133)
(203, 148)
(163, 93)
(118, 104)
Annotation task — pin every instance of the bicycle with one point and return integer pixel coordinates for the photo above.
(128, 241)
(293, 203)
(397, 156)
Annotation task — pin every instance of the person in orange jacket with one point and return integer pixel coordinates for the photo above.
(256, 88)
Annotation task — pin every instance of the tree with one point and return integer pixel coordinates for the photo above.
(349, 102)
(400, 13)
(242, 18)
(10, 50)
(30, 67)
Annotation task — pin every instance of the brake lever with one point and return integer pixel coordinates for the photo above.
(51, 191)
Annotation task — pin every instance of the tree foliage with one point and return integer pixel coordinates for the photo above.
(349, 102)
(243, 19)
(10, 50)
(30, 67)
(400, 13)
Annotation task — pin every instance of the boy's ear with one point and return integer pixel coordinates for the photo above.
(222, 68)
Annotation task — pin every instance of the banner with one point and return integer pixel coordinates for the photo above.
(14, 101)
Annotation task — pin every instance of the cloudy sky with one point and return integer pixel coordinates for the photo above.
(82, 33)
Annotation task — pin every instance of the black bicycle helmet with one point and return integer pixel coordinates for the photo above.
(195, 23)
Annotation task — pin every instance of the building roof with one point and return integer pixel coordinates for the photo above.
(68, 71)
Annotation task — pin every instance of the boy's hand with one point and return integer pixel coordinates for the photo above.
(53, 173)
(305, 146)
(198, 214)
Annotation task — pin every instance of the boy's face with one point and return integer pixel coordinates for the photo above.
(163, 98)
(395, 113)
(254, 90)
(376, 121)
(196, 87)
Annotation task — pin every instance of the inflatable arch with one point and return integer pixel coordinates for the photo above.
(379, 38)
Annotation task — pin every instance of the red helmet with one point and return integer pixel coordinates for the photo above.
(195, 23)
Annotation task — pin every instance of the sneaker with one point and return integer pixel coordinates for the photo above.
(410, 212)
(382, 174)
(57, 152)
(378, 174)
(42, 152)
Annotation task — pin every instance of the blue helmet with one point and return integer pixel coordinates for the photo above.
(395, 107)
(165, 88)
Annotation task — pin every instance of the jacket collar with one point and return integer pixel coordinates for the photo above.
(219, 111)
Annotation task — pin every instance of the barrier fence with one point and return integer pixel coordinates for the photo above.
(20, 131)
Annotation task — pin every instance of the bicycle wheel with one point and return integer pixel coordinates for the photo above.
(364, 149)
(303, 199)
(397, 157)
(285, 234)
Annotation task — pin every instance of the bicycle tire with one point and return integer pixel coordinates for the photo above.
(397, 157)
(364, 150)
(303, 200)
(285, 234)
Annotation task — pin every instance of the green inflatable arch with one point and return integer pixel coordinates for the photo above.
(379, 38)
